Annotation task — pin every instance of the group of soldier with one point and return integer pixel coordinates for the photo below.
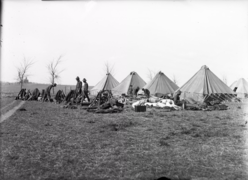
(134, 92)
(80, 93)
(45, 95)
(175, 97)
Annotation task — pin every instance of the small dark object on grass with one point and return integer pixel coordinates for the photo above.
(140, 109)
(22, 109)
(91, 121)
(239, 107)
(48, 124)
(163, 178)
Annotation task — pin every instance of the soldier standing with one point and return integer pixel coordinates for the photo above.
(86, 90)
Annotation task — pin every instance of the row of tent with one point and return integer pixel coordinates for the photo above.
(204, 84)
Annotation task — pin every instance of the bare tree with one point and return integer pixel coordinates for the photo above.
(151, 74)
(22, 70)
(54, 71)
(224, 79)
(108, 68)
(174, 79)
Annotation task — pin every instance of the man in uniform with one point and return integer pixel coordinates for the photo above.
(47, 92)
(86, 90)
(176, 98)
(78, 87)
(35, 94)
(146, 92)
(136, 91)
(130, 91)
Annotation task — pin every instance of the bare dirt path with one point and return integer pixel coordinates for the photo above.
(246, 135)
(10, 112)
(7, 105)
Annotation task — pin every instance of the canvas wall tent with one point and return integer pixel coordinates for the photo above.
(205, 85)
(242, 88)
(132, 79)
(107, 83)
(160, 85)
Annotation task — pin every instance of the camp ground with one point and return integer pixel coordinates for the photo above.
(142, 131)
(124, 90)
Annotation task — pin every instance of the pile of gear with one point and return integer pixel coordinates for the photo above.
(104, 102)
(157, 103)
(205, 106)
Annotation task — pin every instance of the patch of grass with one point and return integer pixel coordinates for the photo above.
(49, 142)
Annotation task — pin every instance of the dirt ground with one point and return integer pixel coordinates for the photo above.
(49, 142)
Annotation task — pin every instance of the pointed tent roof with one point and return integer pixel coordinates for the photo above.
(242, 86)
(132, 79)
(205, 82)
(107, 83)
(160, 84)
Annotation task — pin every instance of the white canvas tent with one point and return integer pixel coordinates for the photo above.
(242, 88)
(160, 85)
(205, 84)
(132, 79)
(107, 83)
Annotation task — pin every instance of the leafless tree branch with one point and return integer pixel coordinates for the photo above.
(150, 74)
(54, 71)
(108, 68)
(23, 69)
(224, 79)
(174, 79)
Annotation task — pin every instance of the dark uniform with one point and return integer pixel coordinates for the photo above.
(130, 91)
(35, 94)
(86, 90)
(147, 92)
(78, 88)
(136, 91)
(47, 92)
(176, 98)
(21, 94)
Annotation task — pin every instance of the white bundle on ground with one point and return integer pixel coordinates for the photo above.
(163, 103)
(140, 102)
(154, 99)
(123, 100)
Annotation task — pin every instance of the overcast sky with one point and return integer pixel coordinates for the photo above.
(176, 37)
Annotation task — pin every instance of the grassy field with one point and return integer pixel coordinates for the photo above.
(51, 143)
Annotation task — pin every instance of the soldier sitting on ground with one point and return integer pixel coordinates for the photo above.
(176, 98)
(70, 96)
(146, 92)
(21, 94)
(27, 95)
(35, 94)
(59, 97)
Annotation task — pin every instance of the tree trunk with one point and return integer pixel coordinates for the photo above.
(53, 83)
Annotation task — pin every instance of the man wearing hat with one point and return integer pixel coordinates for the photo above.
(78, 87)
(47, 95)
(86, 90)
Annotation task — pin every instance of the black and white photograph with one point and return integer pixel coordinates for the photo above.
(124, 90)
